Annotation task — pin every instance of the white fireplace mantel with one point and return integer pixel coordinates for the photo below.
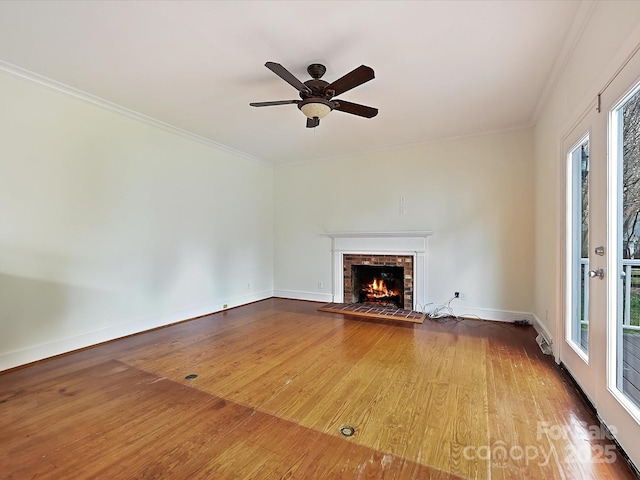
(412, 243)
(379, 234)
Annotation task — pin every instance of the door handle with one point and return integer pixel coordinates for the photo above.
(596, 273)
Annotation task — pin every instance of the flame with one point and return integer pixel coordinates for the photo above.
(378, 289)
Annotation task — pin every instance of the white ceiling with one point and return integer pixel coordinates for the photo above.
(443, 68)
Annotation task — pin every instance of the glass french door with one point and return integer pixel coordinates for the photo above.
(583, 174)
(601, 342)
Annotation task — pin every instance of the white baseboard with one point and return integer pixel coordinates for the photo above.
(482, 313)
(495, 315)
(39, 352)
(299, 295)
(139, 325)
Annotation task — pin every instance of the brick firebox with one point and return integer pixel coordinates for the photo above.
(404, 261)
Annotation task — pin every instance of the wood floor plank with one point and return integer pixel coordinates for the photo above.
(276, 380)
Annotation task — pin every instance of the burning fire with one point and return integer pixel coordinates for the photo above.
(378, 289)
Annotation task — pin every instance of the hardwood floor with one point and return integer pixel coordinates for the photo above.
(276, 381)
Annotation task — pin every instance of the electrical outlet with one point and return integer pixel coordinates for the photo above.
(225, 305)
(320, 284)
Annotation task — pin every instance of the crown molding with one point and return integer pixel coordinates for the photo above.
(584, 13)
(24, 74)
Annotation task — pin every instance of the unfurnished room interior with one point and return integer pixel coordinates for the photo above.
(320, 239)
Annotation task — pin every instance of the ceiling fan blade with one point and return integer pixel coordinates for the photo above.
(277, 102)
(287, 76)
(356, 109)
(352, 79)
(313, 122)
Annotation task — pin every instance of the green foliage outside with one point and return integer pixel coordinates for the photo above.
(635, 309)
(635, 297)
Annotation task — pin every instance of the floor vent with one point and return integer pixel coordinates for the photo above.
(347, 431)
(544, 344)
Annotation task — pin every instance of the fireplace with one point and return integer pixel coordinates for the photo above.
(405, 250)
(383, 280)
(378, 285)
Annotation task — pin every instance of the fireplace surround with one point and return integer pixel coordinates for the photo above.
(405, 249)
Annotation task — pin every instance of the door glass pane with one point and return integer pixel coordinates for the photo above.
(579, 245)
(628, 322)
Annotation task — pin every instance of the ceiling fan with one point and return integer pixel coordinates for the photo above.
(317, 95)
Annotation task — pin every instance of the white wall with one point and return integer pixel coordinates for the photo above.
(475, 194)
(110, 226)
(598, 53)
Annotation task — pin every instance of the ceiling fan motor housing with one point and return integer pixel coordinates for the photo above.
(318, 89)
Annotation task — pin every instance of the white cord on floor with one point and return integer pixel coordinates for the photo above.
(443, 310)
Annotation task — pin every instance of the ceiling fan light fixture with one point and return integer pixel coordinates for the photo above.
(315, 107)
